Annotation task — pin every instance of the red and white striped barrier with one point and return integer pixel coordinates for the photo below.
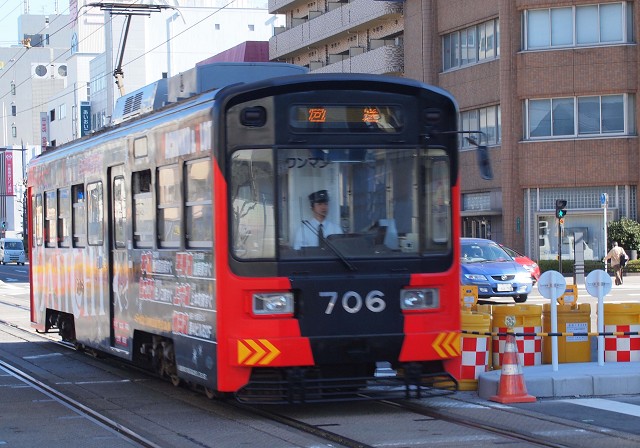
(529, 347)
(621, 348)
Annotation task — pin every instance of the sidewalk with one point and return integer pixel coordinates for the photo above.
(571, 380)
(577, 379)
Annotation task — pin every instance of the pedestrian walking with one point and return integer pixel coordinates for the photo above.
(618, 259)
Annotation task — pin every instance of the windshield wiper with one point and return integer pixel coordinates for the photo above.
(331, 246)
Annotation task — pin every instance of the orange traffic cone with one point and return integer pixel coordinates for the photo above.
(512, 388)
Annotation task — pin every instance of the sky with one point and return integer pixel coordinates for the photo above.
(10, 10)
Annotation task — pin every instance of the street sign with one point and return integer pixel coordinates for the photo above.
(551, 285)
(604, 199)
(598, 283)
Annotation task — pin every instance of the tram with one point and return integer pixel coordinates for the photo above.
(184, 238)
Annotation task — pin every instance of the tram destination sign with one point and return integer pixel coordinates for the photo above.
(385, 118)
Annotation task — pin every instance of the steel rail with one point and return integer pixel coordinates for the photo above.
(93, 415)
(427, 412)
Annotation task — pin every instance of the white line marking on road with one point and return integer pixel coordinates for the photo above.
(607, 405)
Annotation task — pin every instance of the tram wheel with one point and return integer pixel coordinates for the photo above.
(210, 393)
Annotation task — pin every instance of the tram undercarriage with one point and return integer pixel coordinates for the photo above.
(345, 383)
(151, 352)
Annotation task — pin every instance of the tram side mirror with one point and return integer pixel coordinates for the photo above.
(484, 163)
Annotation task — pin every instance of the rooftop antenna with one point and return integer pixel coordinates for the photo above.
(129, 10)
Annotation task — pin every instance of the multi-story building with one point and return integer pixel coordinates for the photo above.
(58, 85)
(552, 84)
(31, 74)
(339, 35)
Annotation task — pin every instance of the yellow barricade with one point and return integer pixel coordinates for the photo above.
(571, 319)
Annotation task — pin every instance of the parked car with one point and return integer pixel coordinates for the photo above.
(11, 250)
(525, 261)
(486, 265)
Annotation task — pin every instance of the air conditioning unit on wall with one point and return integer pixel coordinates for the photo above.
(48, 71)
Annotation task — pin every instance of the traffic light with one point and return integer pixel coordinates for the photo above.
(561, 208)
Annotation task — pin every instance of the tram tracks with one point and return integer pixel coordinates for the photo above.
(522, 425)
(329, 423)
(79, 408)
(319, 424)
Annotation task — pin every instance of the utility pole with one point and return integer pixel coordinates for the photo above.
(561, 211)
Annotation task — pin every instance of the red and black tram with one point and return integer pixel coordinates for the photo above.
(173, 239)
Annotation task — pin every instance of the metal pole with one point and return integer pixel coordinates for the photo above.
(559, 247)
(604, 215)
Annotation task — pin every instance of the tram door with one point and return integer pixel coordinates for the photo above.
(118, 259)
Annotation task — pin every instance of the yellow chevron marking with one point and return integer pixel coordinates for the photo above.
(273, 352)
(243, 352)
(447, 345)
(259, 352)
(452, 344)
(436, 345)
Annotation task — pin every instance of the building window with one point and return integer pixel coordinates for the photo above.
(217, 26)
(14, 110)
(52, 115)
(581, 116)
(251, 27)
(14, 130)
(471, 45)
(62, 112)
(578, 25)
(487, 120)
(13, 88)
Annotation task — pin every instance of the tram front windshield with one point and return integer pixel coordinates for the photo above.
(372, 203)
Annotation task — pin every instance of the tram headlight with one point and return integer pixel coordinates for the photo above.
(272, 303)
(419, 299)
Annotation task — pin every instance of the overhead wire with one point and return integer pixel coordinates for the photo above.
(124, 65)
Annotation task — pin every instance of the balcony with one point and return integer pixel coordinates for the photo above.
(282, 6)
(384, 60)
(319, 30)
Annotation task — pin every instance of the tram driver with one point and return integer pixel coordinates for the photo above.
(312, 233)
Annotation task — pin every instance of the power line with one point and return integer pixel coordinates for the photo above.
(39, 106)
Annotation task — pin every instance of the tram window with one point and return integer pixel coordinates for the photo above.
(199, 209)
(438, 201)
(119, 213)
(95, 207)
(169, 225)
(64, 206)
(79, 216)
(252, 201)
(50, 219)
(38, 225)
(142, 209)
(140, 147)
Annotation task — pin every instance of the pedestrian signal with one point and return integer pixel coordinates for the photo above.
(560, 208)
